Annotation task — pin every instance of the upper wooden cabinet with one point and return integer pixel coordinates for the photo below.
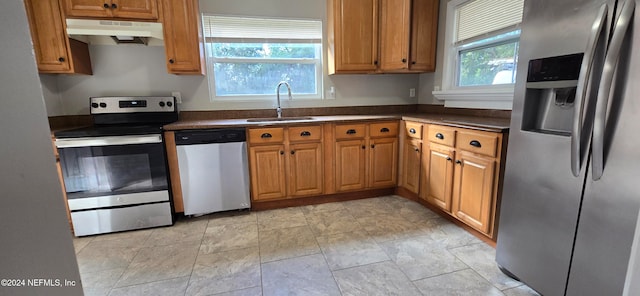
(54, 51)
(384, 36)
(183, 41)
(126, 9)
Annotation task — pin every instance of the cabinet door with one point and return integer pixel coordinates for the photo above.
(438, 175)
(52, 47)
(183, 37)
(383, 162)
(350, 165)
(87, 8)
(267, 172)
(135, 9)
(394, 34)
(411, 165)
(305, 169)
(355, 35)
(473, 190)
(424, 30)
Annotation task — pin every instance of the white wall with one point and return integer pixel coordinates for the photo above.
(36, 240)
(140, 70)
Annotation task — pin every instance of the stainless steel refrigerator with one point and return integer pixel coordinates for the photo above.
(572, 182)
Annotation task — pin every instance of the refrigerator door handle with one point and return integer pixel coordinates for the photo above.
(581, 91)
(621, 29)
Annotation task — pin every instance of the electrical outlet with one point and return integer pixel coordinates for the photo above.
(331, 93)
(178, 96)
(412, 92)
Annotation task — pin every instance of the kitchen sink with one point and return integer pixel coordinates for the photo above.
(271, 119)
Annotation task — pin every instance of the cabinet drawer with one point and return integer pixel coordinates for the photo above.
(266, 135)
(441, 135)
(413, 130)
(478, 142)
(350, 131)
(305, 133)
(383, 129)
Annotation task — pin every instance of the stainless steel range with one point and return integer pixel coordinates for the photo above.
(115, 172)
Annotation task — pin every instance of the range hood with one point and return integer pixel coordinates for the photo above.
(119, 31)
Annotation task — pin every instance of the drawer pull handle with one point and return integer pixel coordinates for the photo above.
(412, 130)
(384, 130)
(440, 136)
(266, 136)
(351, 132)
(475, 143)
(305, 134)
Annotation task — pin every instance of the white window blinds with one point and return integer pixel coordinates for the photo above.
(479, 17)
(225, 27)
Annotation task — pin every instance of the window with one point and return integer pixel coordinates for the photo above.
(248, 57)
(481, 56)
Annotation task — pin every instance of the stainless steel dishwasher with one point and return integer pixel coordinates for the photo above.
(214, 170)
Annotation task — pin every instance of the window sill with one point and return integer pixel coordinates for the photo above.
(500, 99)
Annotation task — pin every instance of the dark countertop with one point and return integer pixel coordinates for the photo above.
(479, 123)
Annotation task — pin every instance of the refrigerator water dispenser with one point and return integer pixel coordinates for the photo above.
(551, 93)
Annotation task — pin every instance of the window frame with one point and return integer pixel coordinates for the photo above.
(210, 60)
(498, 96)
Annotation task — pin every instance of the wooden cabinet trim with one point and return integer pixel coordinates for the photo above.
(174, 171)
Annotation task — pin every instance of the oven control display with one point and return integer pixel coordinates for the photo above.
(132, 104)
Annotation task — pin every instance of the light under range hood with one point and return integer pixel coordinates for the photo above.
(115, 32)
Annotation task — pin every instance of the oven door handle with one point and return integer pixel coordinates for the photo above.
(108, 141)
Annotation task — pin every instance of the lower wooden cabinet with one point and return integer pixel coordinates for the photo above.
(285, 162)
(383, 162)
(350, 165)
(438, 175)
(267, 165)
(305, 169)
(459, 171)
(473, 190)
(366, 155)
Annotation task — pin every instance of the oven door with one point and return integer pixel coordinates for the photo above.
(113, 171)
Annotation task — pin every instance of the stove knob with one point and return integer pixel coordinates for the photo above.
(103, 105)
(94, 105)
(169, 104)
(161, 104)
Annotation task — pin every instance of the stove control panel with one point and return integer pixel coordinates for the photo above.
(111, 105)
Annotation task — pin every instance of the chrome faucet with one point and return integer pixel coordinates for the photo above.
(279, 109)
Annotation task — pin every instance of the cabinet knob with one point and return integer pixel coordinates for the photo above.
(114, 6)
(373, 146)
(293, 152)
(375, 62)
(364, 147)
(266, 136)
(440, 136)
(413, 63)
(449, 159)
(417, 150)
(404, 60)
(281, 152)
(458, 162)
(412, 130)
(475, 143)
(106, 6)
(61, 59)
(171, 61)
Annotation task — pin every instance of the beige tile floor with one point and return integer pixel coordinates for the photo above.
(378, 246)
